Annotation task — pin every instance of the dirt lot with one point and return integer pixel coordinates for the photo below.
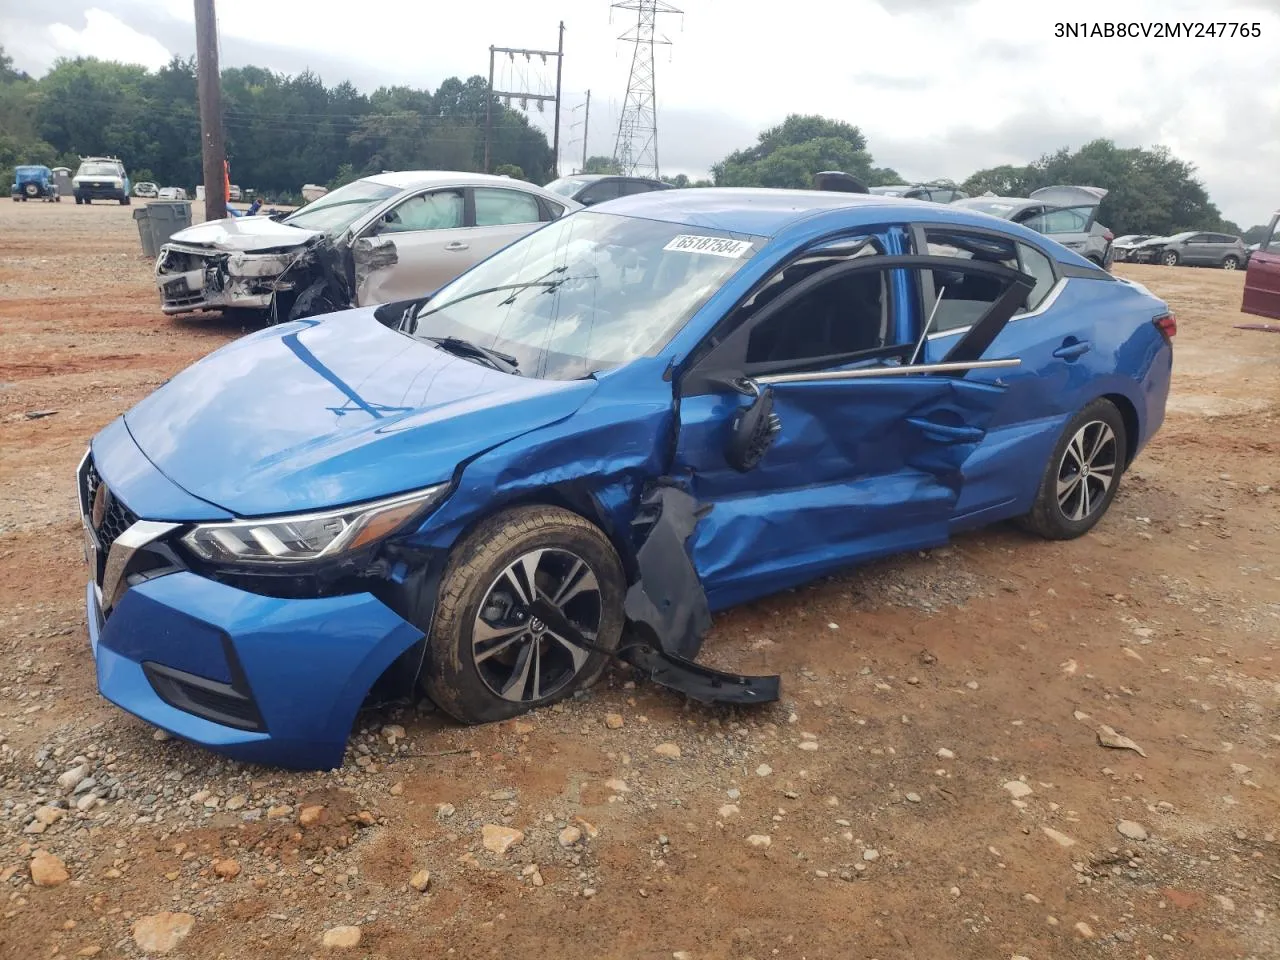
(931, 786)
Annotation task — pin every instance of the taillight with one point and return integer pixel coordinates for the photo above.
(1168, 326)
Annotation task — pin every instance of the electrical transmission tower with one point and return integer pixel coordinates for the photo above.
(636, 149)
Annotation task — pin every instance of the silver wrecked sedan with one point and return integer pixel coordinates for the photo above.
(393, 236)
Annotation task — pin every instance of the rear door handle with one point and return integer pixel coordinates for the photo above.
(457, 245)
(944, 433)
(1071, 350)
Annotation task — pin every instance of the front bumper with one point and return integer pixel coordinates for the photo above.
(99, 191)
(256, 678)
(194, 278)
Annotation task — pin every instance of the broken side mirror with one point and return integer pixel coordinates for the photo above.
(754, 429)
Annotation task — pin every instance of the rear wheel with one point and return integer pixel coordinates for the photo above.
(488, 657)
(1169, 258)
(1230, 263)
(1082, 475)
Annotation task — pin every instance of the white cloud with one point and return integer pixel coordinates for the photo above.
(103, 35)
(941, 87)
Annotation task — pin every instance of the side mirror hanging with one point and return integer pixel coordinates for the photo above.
(754, 428)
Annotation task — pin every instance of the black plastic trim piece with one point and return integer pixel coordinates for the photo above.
(228, 704)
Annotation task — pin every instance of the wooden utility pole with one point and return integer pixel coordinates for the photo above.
(213, 149)
(555, 146)
(586, 127)
(488, 112)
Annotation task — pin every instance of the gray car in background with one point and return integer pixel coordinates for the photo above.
(1195, 249)
(1066, 214)
(935, 192)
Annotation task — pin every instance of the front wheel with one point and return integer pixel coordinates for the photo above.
(488, 657)
(1230, 263)
(1082, 475)
(124, 201)
(1169, 258)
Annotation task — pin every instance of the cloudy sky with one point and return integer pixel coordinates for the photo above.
(940, 87)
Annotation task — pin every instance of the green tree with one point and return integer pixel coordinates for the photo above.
(606, 165)
(509, 170)
(789, 154)
(1148, 190)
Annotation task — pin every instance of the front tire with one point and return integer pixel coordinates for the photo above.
(488, 658)
(1230, 263)
(1169, 258)
(1082, 475)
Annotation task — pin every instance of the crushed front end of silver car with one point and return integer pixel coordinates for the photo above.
(197, 277)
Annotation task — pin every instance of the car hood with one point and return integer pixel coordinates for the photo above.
(334, 410)
(1154, 242)
(244, 235)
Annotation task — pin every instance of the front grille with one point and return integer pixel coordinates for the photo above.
(116, 518)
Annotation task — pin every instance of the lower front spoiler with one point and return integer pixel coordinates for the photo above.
(178, 649)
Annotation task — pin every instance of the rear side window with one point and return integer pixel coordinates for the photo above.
(960, 299)
(1036, 264)
(1059, 221)
(637, 186)
(495, 207)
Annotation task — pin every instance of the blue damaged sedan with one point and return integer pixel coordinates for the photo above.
(584, 446)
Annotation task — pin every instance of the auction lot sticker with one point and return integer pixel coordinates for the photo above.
(716, 246)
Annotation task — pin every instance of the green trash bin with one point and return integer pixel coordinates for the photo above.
(158, 221)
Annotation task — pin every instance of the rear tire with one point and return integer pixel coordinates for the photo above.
(1230, 263)
(466, 674)
(1082, 475)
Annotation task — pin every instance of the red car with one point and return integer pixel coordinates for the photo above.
(1262, 280)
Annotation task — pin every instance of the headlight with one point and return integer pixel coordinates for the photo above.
(308, 536)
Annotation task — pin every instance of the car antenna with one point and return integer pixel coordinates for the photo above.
(925, 332)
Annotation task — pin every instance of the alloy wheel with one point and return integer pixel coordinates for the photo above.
(1170, 259)
(519, 657)
(1087, 470)
(1230, 263)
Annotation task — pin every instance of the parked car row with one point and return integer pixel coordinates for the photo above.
(1190, 248)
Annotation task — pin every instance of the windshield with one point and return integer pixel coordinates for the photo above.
(340, 208)
(98, 170)
(566, 186)
(586, 293)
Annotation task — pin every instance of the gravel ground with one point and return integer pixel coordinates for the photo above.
(1004, 748)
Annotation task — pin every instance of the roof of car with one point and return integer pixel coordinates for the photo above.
(766, 212)
(407, 179)
(608, 176)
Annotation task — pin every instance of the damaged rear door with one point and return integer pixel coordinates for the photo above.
(855, 448)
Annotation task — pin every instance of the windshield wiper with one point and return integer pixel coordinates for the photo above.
(466, 348)
(515, 287)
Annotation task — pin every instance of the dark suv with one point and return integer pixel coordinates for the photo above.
(592, 188)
